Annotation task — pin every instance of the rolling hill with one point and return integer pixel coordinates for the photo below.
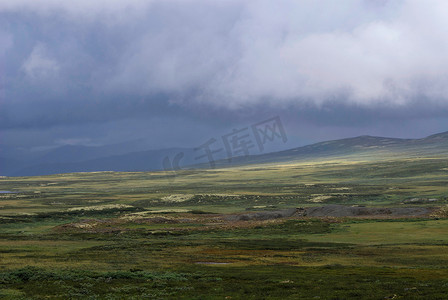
(69, 159)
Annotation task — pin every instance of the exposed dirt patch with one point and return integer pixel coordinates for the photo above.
(357, 211)
(264, 215)
(101, 207)
(185, 222)
(441, 212)
(337, 211)
(177, 198)
(320, 198)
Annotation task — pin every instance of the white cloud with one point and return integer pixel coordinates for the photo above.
(39, 65)
(237, 53)
(374, 60)
(295, 51)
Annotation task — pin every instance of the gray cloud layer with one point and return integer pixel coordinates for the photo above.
(68, 62)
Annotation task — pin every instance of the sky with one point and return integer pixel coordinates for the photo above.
(176, 73)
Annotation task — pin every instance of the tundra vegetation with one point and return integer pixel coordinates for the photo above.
(335, 228)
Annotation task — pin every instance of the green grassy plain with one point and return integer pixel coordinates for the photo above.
(153, 235)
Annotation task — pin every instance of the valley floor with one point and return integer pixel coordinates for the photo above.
(315, 230)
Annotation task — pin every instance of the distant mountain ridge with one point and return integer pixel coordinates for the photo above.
(353, 148)
(67, 159)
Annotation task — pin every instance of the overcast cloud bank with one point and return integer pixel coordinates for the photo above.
(69, 62)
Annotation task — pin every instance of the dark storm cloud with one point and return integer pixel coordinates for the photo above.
(322, 64)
